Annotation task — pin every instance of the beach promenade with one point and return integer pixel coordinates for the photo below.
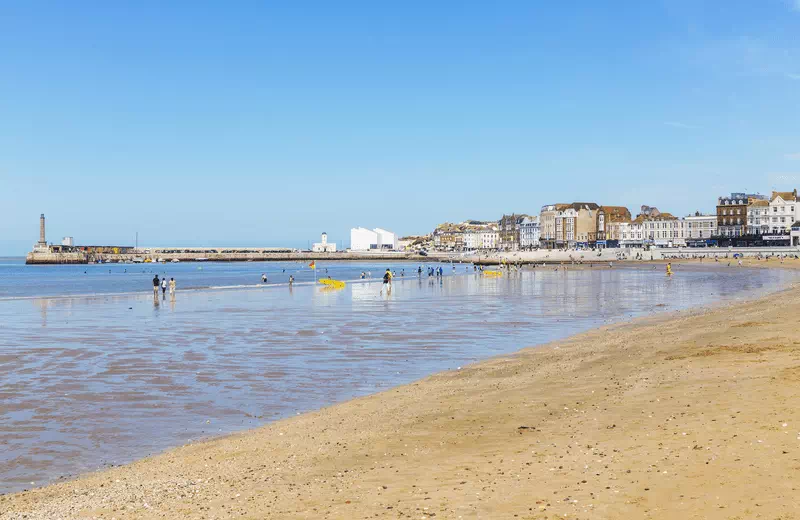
(688, 414)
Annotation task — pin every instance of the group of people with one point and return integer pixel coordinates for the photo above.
(432, 271)
(163, 284)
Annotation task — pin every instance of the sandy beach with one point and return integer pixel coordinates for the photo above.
(689, 414)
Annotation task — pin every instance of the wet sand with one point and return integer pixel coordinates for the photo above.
(689, 414)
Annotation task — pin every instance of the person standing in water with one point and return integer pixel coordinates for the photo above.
(172, 287)
(164, 287)
(387, 282)
(291, 280)
(156, 285)
(263, 278)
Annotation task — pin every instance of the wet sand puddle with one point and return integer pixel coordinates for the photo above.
(92, 381)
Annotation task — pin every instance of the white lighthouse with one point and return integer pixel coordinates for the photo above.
(323, 246)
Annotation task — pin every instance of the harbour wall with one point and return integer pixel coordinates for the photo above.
(492, 258)
(53, 258)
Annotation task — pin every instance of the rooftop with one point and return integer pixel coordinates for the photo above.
(785, 195)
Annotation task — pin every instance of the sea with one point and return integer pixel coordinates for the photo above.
(95, 371)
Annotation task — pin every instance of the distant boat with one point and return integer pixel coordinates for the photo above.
(202, 259)
(148, 261)
(161, 261)
(137, 260)
(175, 260)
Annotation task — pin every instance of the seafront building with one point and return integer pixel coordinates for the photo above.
(661, 229)
(795, 234)
(732, 213)
(700, 229)
(547, 224)
(782, 211)
(576, 225)
(470, 235)
(509, 234)
(758, 217)
(529, 233)
(610, 224)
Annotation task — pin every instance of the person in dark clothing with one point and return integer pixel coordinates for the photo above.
(387, 282)
(156, 285)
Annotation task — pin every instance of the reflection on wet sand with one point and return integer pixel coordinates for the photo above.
(100, 380)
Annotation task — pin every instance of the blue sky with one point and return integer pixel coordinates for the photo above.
(259, 123)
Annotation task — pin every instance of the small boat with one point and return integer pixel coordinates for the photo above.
(137, 260)
(175, 260)
(202, 259)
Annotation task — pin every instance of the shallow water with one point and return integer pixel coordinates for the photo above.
(18, 280)
(95, 380)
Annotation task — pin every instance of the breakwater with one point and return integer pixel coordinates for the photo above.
(80, 257)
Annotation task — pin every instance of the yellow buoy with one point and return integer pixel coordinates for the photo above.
(493, 273)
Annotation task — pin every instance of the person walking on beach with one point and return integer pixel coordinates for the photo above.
(291, 280)
(263, 278)
(172, 287)
(164, 287)
(387, 282)
(156, 284)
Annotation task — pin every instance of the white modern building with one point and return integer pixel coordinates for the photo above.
(363, 239)
(386, 239)
(67, 241)
(323, 246)
(529, 233)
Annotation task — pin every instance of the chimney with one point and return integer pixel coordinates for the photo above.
(41, 230)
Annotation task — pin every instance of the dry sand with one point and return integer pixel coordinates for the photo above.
(682, 415)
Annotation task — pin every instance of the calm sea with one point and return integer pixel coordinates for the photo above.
(96, 372)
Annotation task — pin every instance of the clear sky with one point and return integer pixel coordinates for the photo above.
(266, 123)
